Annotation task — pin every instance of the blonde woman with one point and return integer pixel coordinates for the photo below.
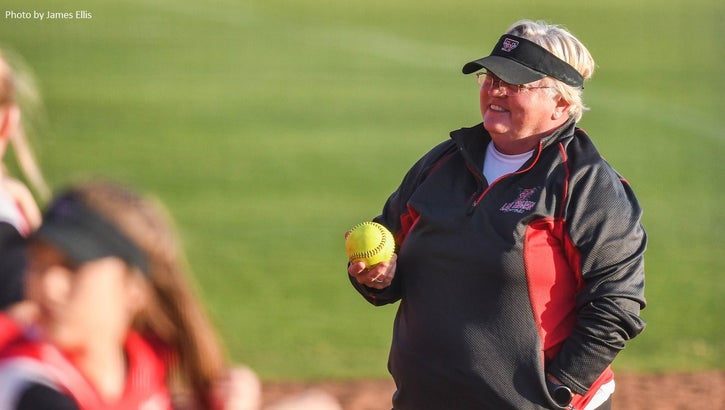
(19, 213)
(520, 251)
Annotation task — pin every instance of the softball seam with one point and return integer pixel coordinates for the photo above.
(374, 251)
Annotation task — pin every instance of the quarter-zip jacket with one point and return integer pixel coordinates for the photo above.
(539, 271)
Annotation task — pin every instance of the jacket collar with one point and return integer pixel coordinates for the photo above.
(474, 140)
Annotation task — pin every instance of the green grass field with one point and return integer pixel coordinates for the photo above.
(270, 127)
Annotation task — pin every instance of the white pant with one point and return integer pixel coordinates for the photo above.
(601, 395)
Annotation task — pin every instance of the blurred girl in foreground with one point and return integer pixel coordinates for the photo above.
(118, 325)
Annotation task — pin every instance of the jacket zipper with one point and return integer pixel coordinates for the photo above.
(476, 197)
(479, 197)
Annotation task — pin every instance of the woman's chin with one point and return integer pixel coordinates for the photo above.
(494, 125)
(499, 120)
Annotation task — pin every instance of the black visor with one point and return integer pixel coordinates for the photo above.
(517, 60)
(84, 235)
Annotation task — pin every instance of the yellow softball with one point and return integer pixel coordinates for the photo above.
(369, 242)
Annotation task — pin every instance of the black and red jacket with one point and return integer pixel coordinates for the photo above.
(539, 271)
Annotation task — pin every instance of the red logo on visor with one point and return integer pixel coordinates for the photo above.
(509, 44)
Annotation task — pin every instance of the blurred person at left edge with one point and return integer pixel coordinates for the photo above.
(118, 323)
(19, 212)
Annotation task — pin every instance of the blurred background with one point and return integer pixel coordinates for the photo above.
(268, 128)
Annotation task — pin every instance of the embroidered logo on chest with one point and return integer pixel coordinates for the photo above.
(524, 203)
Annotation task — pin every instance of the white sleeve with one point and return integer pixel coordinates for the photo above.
(16, 375)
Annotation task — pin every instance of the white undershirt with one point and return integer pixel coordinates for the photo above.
(497, 164)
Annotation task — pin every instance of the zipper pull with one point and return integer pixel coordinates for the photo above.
(473, 206)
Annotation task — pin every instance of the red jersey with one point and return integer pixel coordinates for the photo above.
(9, 330)
(26, 361)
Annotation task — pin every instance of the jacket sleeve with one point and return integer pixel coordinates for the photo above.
(12, 265)
(396, 213)
(604, 223)
(41, 397)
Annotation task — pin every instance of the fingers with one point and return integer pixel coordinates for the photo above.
(378, 277)
(241, 389)
(355, 269)
(25, 312)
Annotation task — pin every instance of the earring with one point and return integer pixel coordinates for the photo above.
(557, 115)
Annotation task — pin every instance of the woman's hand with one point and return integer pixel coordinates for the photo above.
(24, 200)
(378, 276)
(240, 390)
(25, 312)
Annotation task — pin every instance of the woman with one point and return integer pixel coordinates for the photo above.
(19, 214)
(519, 265)
(118, 325)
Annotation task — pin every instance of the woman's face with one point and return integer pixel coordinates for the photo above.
(517, 116)
(78, 303)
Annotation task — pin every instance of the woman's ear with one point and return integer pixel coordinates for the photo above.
(138, 292)
(56, 284)
(561, 109)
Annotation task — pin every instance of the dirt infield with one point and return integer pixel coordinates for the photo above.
(676, 391)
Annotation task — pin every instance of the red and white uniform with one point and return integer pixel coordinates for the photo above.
(28, 361)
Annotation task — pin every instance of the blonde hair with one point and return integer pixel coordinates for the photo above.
(565, 46)
(174, 315)
(17, 87)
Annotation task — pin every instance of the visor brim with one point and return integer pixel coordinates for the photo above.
(506, 69)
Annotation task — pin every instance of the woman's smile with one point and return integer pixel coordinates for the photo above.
(497, 108)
